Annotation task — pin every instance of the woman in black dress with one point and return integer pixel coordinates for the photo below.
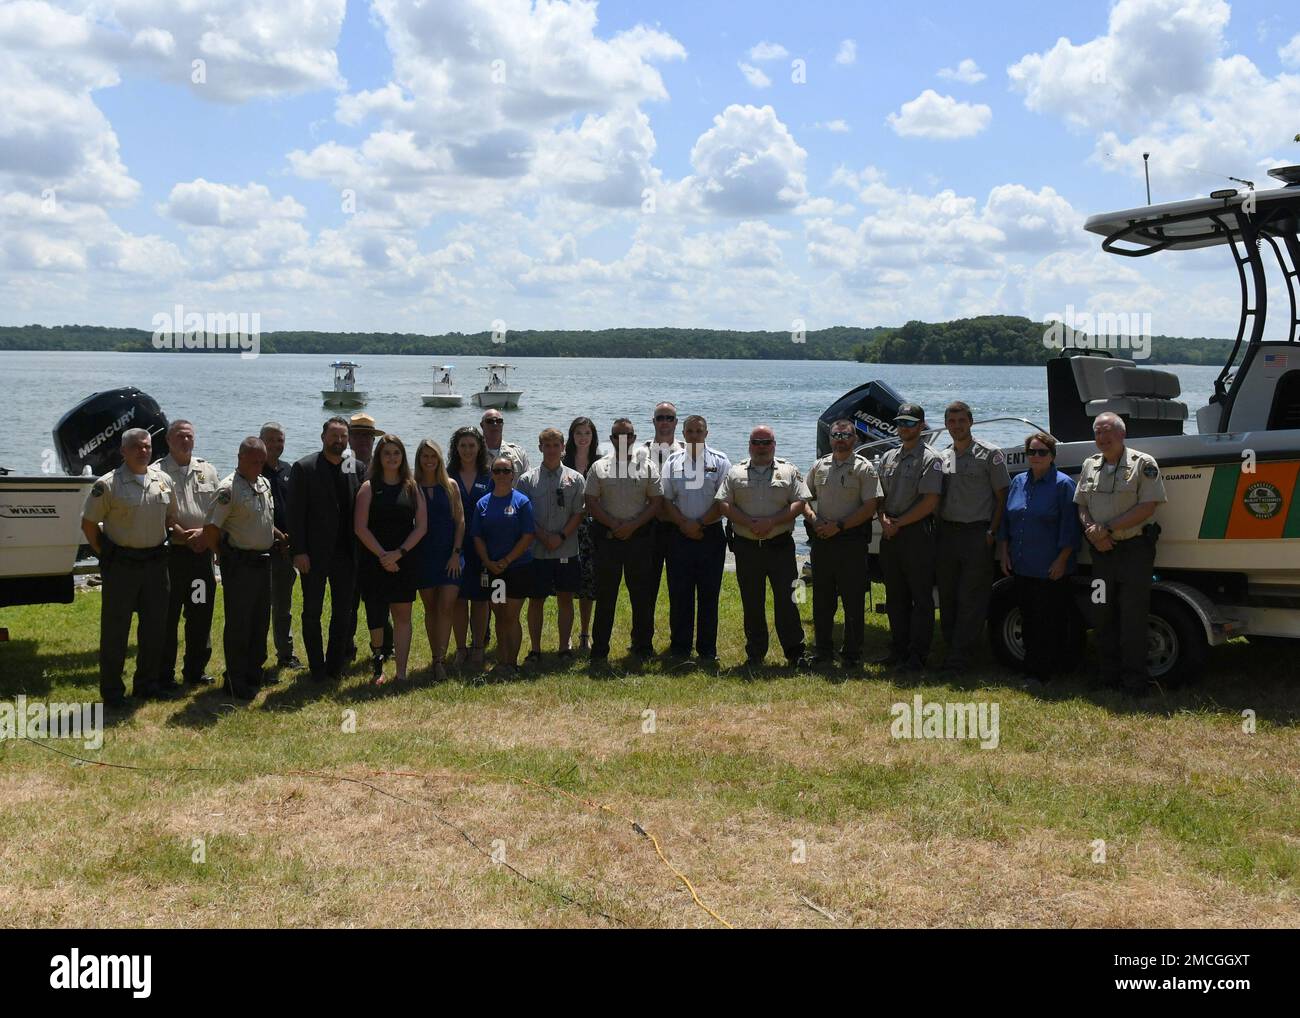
(580, 452)
(390, 521)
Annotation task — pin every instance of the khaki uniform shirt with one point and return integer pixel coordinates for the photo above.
(1110, 493)
(624, 488)
(517, 456)
(134, 508)
(762, 491)
(906, 476)
(557, 496)
(196, 489)
(838, 490)
(971, 481)
(246, 512)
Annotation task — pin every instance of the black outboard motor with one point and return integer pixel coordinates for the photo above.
(872, 407)
(89, 435)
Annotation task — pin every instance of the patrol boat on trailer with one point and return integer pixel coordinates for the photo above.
(1228, 558)
(345, 392)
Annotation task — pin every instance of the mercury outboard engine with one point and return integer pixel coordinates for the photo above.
(872, 407)
(89, 435)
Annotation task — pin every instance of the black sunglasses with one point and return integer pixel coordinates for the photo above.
(665, 417)
(490, 422)
(502, 470)
(762, 441)
(835, 435)
(1038, 452)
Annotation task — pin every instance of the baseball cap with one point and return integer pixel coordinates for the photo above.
(909, 413)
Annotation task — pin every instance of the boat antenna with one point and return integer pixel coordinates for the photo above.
(1146, 169)
(1226, 176)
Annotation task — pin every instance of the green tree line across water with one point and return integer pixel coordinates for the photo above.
(991, 339)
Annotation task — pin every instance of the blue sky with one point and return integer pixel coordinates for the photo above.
(434, 166)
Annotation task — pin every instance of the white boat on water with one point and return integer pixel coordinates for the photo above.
(444, 389)
(497, 392)
(345, 392)
(1228, 555)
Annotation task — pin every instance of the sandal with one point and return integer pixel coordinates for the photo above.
(584, 643)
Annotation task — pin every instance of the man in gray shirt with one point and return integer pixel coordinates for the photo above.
(975, 483)
(557, 493)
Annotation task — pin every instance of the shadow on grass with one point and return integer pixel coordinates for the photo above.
(24, 670)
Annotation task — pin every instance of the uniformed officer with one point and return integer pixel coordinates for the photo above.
(283, 575)
(697, 553)
(660, 448)
(911, 481)
(241, 525)
(189, 562)
(843, 490)
(558, 495)
(493, 425)
(623, 495)
(762, 496)
(1119, 489)
(975, 482)
(137, 507)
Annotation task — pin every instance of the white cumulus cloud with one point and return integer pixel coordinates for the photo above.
(940, 117)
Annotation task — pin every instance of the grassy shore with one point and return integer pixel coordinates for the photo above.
(781, 796)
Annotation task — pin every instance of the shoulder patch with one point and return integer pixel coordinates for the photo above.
(223, 496)
(998, 458)
(97, 490)
(1151, 470)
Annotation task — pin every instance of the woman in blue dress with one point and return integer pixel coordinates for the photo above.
(1038, 540)
(503, 527)
(469, 470)
(439, 551)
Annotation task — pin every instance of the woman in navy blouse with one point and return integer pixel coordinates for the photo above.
(1037, 542)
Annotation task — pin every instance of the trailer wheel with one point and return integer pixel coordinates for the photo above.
(1006, 638)
(1177, 650)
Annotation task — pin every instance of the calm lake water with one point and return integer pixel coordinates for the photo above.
(228, 398)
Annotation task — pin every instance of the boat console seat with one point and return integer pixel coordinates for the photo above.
(1113, 385)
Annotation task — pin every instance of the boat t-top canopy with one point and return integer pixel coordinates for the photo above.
(345, 364)
(489, 367)
(1200, 222)
(1247, 223)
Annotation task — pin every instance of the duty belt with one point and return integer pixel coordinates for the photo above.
(138, 554)
(761, 541)
(974, 523)
(243, 555)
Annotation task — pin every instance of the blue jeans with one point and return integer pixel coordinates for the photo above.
(694, 586)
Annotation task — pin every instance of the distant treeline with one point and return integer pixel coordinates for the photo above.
(1008, 339)
(992, 339)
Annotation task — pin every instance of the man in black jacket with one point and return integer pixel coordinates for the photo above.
(321, 498)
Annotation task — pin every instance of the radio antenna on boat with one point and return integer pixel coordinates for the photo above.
(1146, 169)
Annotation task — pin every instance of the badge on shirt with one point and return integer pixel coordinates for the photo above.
(510, 510)
(1151, 470)
(97, 490)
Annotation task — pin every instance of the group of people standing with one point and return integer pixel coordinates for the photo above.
(480, 531)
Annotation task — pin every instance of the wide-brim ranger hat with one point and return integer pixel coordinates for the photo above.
(909, 413)
(363, 424)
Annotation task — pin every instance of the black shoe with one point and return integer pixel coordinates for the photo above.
(915, 663)
(200, 680)
(755, 662)
(850, 661)
(376, 664)
(890, 660)
(119, 702)
(270, 679)
(288, 662)
(320, 677)
(171, 692)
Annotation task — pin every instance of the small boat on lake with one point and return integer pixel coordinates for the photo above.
(497, 392)
(444, 389)
(345, 392)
